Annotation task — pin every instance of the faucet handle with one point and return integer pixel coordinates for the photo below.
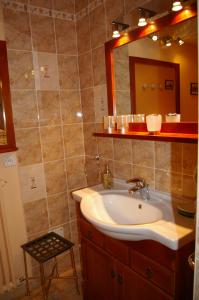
(136, 180)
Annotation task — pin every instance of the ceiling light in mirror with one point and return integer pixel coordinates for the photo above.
(154, 37)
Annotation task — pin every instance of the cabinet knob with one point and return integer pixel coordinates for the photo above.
(113, 274)
(120, 279)
(89, 235)
(149, 272)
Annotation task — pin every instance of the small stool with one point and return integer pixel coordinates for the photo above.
(43, 249)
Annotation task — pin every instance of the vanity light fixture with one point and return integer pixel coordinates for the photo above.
(177, 5)
(145, 14)
(180, 41)
(168, 42)
(118, 27)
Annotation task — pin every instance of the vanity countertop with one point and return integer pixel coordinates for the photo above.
(174, 232)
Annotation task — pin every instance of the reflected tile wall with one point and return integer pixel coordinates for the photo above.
(42, 56)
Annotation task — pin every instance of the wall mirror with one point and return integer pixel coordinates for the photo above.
(144, 76)
(7, 137)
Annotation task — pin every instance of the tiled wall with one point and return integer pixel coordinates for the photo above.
(43, 67)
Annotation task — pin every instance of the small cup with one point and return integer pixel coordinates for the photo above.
(109, 123)
(139, 118)
(172, 118)
(122, 123)
(154, 123)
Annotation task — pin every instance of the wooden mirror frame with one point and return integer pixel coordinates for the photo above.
(7, 107)
(172, 18)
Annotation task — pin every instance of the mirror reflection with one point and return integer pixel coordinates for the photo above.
(3, 139)
(151, 87)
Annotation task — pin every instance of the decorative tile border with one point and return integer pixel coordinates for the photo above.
(17, 6)
(91, 6)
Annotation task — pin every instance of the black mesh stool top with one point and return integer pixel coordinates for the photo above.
(47, 246)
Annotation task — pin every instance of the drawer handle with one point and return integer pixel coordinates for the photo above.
(113, 274)
(89, 235)
(120, 279)
(149, 272)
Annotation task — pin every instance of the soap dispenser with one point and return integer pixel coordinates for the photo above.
(107, 178)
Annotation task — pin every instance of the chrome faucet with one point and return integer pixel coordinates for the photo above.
(139, 186)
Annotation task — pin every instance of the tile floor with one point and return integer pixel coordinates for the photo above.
(60, 290)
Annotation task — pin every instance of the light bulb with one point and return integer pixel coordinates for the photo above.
(180, 41)
(116, 34)
(154, 37)
(142, 22)
(176, 6)
(168, 43)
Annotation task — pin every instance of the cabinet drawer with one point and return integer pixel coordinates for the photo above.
(117, 249)
(153, 272)
(90, 233)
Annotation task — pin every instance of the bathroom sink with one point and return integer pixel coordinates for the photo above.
(118, 214)
(119, 208)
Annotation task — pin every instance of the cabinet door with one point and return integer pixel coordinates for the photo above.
(97, 284)
(143, 289)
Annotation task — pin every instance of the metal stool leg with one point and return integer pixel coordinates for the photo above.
(26, 273)
(74, 269)
(42, 277)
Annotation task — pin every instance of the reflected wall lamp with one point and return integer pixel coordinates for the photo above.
(177, 5)
(144, 16)
(118, 27)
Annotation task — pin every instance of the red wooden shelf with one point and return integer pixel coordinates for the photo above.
(163, 136)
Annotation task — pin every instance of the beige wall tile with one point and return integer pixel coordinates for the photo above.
(143, 153)
(122, 82)
(24, 108)
(85, 70)
(32, 181)
(122, 150)
(70, 106)
(189, 187)
(72, 207)
(49, 108)
(42, 3)
(148, 174)
(98, 60)
(90, 142)
(168, 156)
(52, 143)
(17, 29)
(168, 182)
(29, 147)
(92, 171)
(55, 177)
(100, 101)
(58, 209)
(43, 33)
(123, 102)
(122, 170)
(36, 216)
(98, 26)
(65, 37)
(73, 140)
(76, 173)
(21, 69)
(83, 35)
(105, 147)
(46, 71)
(68, 74)
(87, 100)
(64, 5)
(189, 158)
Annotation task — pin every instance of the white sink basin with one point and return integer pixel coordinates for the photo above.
(119, 208)
(119, 215)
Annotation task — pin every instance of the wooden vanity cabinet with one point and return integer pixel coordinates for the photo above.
(118, 270)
